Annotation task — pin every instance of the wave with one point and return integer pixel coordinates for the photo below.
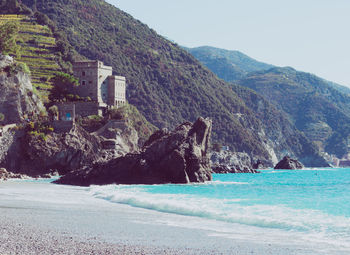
(311, 222)
(227, 182)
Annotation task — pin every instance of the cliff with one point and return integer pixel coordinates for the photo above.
(17, 99)
(33, 155)
(231, 162)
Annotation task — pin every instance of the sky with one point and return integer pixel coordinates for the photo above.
(309, 35)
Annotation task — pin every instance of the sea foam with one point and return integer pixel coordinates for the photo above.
(309, 223)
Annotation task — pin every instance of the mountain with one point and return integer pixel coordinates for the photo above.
(226, 64)
(166, 83)
(317, 108)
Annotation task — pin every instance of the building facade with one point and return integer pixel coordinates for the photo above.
(98, 83)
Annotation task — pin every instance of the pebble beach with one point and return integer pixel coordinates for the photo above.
(43, 218)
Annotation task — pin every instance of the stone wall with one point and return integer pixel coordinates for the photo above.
(62, 126)
(87, 108)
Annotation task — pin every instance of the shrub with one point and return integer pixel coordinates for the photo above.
(2, 117)
(63, 86)
(95, 117)
(8, 38)
(22, 67)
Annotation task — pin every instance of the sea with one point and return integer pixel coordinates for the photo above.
(297, 206)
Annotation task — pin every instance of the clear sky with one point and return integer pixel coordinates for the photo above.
(309, 35)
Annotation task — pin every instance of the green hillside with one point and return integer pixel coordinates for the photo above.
(166, 83)
(38, 50)
(318, 109)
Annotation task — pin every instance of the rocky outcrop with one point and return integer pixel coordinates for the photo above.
(180, 156)
(33, 155)
(5, 175)
(61, 152)
(289, 163)
(119, 136)
(259, 164)
(231, 162)
(224, 169)
(16, 93)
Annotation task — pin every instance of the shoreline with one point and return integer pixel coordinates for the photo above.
(72, 222)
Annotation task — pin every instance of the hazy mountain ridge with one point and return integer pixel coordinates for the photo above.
(317, 107)
(312, 104)
(167, 84)
(227, 64)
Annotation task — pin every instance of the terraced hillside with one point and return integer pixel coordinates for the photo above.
(38, 51)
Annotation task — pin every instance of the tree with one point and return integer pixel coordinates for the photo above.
(63, 86)
(8, 38)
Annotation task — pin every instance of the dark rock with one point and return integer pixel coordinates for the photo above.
(289, 163)
(181, 156)
(258, 165)
(156, 135)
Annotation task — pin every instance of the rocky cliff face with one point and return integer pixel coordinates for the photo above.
(32, 155)
(16, 93)
(119, 136)
(277, 134)
(61, 152)
(231, 162)
(180, 156)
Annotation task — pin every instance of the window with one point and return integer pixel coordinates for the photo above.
(83, 73)
(83, 82)
(90, 82)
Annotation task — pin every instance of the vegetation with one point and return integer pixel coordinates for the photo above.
(63, 86)
(127, 113)
(135, 119)
(2, 117)
(17, 67)
(36, 47)
(39, 129)
(226, 64)
(316, 108)
(13, 6)
(167, 84)
(8, 38)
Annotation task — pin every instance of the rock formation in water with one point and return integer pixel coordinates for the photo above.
(180, 156)
(289, 163)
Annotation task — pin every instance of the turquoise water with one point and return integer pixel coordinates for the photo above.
(312, 203)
